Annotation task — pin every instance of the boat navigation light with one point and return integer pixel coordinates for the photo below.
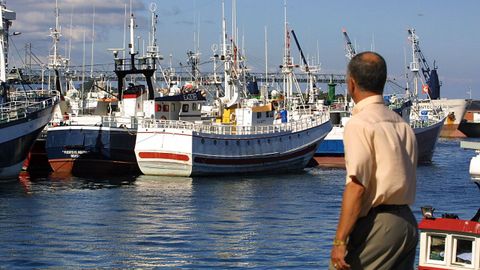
(427, 211)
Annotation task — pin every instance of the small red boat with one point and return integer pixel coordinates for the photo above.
(450, 242)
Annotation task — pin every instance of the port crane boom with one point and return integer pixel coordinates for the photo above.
(348, 46)
(420, 63)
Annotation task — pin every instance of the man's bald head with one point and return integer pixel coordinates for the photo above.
(369, 71)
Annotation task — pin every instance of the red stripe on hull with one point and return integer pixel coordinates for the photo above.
(100, 167)
(127, 96)
(179, 157)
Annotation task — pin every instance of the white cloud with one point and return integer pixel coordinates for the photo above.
(35, 18)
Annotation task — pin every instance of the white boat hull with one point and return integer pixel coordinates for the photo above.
(183, 152)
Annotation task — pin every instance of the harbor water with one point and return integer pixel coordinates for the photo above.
(268, 222)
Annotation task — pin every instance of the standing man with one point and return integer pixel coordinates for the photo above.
(376, 228)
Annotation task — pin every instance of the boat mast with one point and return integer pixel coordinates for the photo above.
(414, 65)
(266, 55)
(93, 42)
(131, 45)
(55, 34)
(55, 60)
(287, 67)
(152, 49)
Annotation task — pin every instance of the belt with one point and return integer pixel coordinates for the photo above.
(388, 207)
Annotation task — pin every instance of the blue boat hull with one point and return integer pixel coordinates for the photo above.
(92, 150)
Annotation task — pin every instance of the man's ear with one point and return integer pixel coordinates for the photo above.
(351, 85)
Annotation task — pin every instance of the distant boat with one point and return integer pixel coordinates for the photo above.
(427, 134)
(104, 144)
(331, 152)
(470, 125)
(245, 135)
(185, 148)
(454, 110)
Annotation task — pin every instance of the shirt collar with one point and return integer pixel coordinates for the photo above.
(375, 99)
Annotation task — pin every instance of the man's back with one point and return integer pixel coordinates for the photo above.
(381, 151)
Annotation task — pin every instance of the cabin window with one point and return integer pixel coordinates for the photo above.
(158, 107)
(185, 108)
(463, 249)
(173, 107)
(436, 248)
(259, 115)
(165, 108)
(194, 106)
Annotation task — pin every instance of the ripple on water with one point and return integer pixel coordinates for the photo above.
(269, 222)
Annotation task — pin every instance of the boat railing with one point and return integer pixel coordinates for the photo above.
(221, 129)
(419, 123)
(18, 109)
(112, 121)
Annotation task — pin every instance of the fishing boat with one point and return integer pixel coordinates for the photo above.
(453, 109)
(426, 119)
(245, 136)
(470, 125)
(427, 130)
(104, 143)
(331, 152)
(37, 160)
(450, 242)
(23, 115)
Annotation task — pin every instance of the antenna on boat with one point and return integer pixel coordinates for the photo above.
(71, 35)
(93, 41)
(55, 33)
(125, 32)
(266, 60)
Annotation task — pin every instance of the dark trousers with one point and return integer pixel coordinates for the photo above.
(384, 239)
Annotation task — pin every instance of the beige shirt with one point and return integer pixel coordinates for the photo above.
(381, 152)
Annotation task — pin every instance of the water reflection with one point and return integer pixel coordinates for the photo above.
(63, 221)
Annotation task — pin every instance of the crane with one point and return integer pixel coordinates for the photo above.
(430, 75)
(312, 85)
(350, 50)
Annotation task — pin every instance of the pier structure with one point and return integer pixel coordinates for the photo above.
(35, 76)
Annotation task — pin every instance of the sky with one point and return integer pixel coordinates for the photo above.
(448, 32)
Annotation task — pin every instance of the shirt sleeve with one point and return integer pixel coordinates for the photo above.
(359, 154)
